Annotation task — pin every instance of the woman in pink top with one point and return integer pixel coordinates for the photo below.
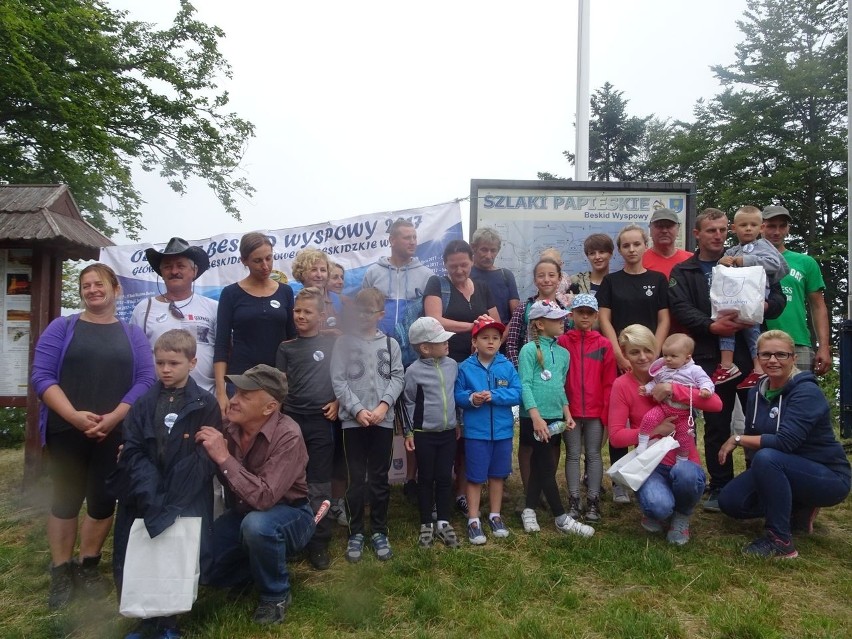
(673, 489)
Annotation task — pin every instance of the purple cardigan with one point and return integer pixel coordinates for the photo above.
(50, 353)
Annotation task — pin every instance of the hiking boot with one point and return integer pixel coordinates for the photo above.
(446, 534)
(771, 547)
(61, 586)
(679, 531)
(427, 536)
(89, 579)
(574, 527)
(574, 510)
(272, 612)
(318, 557)
(593, 509)
(475, 534)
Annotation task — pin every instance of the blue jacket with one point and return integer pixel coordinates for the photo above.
(493, 420)
(797, 421)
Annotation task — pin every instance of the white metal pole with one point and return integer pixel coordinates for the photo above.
(581, 161)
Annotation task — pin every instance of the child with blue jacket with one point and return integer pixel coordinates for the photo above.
(487, 387)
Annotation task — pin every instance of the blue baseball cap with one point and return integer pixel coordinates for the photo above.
(584, 299)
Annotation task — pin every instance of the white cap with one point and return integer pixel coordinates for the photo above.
(428, 330)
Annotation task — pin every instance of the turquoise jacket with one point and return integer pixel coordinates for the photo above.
(547, 395)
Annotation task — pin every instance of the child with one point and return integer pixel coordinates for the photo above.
(428, 395)
(543, 367)
(367, 376)
(588, 388)
(311, 404)
(675, 365)
(162, 473)
(752, 250)
(598, 248)
(564, 295)
(486, 388)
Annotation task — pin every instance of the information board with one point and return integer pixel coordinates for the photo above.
(16, 274)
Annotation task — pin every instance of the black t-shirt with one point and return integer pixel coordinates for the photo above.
(634, 299)
(460, 310)
(306, 362)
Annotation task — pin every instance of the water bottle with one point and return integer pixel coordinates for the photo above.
(553, 428)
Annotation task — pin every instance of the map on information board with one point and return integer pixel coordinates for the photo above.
(532, 216)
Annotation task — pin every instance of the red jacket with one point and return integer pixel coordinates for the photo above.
(591, 372)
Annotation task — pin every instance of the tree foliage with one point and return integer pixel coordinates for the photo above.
(88, 92)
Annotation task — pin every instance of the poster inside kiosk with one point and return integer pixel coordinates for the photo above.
(16, 269)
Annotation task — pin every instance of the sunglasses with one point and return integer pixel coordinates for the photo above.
(175, 311)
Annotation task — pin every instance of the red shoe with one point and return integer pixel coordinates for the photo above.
(722, 375)
(750, 381)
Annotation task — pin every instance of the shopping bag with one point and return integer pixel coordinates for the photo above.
(161, 574)
(740, 289)
(634, 468)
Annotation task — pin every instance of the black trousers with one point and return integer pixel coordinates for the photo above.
(368, 451)
(435, 453)
(543, 476)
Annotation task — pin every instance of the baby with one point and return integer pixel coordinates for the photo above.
(676, 366)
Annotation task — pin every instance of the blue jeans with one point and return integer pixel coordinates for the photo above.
(255, 546)
(778, 482)
(672, 489)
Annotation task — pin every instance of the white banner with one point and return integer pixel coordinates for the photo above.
(355, 243)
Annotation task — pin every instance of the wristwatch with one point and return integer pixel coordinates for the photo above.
(737, 439)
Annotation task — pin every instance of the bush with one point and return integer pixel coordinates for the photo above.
(13, 424)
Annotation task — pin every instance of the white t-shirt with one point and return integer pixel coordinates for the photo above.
(199, 318)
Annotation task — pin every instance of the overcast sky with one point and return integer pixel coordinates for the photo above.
(377, 106)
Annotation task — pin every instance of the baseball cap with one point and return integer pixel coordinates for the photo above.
(428, 330)
(547, 310)
(584, 299)
(481, 325)
(776, 211)
(262, 377)
(664, 214)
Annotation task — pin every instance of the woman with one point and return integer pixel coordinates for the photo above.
(633, 295)
(255, 315)
(598, 248)
(456, 303)
(87, 370)
(311, 267)
(797, 464)
(673, 489)
(336, 278)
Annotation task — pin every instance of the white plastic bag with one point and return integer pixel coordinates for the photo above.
(161, 574)
(634, 468)
(741, 289)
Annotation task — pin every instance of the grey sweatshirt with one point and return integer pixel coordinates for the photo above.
(429, 398)
(762, 253)
(364, 374)
(399, 285)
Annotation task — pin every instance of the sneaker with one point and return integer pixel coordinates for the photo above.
(802, 520)
(355, 548)
(61, 586)
(723, 375)
(574, 507)
(679, 532)
(169, 633)
(771, 547)
(620, 494)
(427, 536)
(711, 504)
(530, 521)
(409, 491)
(573, 527)
(381, 546)
(446, 534)
(475, 534)
(652, 525)
(498, 528)
(318, 557)
(750, 381)
(461, 504)
(145, 629)
(89, 579)
(593, 509)
(268, 613)
(338, 512)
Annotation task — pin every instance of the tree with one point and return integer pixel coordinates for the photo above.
(88, 92)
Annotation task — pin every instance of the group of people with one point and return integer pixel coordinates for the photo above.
(290, 400)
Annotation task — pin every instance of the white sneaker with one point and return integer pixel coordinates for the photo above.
(620, 494)
(574, 527)
(340, 515)
(530, 521)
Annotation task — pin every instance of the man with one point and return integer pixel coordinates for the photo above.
(689, 300)
(501, 282)
(262, 462)
(663, 254)
(180, 264)
(804, 282)
(401, 277)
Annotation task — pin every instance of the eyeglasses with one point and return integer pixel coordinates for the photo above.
(765, 356)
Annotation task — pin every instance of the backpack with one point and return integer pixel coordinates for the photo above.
(413, 311)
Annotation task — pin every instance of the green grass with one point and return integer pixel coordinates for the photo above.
(620, 584)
